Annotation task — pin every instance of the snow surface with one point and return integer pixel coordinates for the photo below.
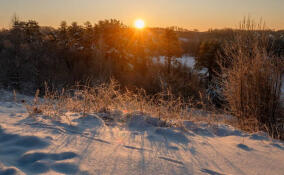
(116, 143)
(188, 61)
(185, 60)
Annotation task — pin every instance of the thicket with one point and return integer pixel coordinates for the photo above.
(250, 78)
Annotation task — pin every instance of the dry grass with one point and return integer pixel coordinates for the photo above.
(107, 98)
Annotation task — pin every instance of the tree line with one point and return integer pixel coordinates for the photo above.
(32, 56)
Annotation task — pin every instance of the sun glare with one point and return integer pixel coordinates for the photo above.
(139, 24)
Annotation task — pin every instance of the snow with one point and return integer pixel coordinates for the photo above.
(186, 60)
(118, 143)
(183, 39)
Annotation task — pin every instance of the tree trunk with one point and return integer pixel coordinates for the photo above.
(169, 65)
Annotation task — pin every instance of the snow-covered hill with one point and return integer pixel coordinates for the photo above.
(117, 143)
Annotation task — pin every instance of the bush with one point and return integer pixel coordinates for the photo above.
(251, 80)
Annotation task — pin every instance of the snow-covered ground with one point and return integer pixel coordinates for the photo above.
(116, 143)
(188, 61)
(185, 60)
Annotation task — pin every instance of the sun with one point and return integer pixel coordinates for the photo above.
(139, 24)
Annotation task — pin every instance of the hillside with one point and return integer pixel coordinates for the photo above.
(122, 143)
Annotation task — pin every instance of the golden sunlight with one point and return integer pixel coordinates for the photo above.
(139, 24)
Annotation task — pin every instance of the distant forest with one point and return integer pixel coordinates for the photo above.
(32, 56)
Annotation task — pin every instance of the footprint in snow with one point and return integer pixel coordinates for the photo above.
(43, 162)
(8, 171)
(16, 147)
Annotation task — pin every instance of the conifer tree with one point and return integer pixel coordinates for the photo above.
(171, 47)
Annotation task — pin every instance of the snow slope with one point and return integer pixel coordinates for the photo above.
(116, 143)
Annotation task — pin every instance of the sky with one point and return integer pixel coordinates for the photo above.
(190, 14)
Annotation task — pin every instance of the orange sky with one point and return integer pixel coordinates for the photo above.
(191, 14)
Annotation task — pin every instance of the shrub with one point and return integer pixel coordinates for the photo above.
(251, 80)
